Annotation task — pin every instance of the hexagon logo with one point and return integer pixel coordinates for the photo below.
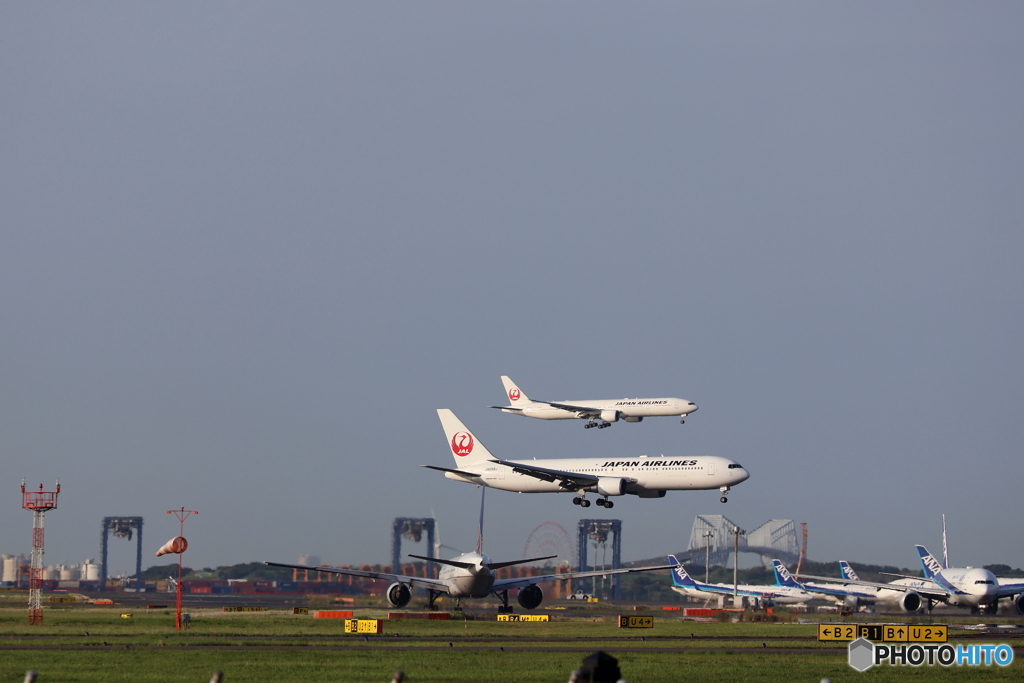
(462, 443)
(861, 654)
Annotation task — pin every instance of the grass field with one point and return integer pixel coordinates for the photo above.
(79, 643)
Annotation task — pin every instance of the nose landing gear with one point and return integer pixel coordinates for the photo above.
(725, 491)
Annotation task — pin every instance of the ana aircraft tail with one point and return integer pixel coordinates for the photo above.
(847, 571)
(465, 447)
(929, 564)
(679, 575)
(515, 395)
(782, 575)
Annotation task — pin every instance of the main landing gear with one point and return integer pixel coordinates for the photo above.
(725, 491)
(432, 596)
(504, 607)
(582, 502)
(599, 425)
(605, 503)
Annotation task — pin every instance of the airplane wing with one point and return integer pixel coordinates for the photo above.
(581, 411)
(576, 479)
(414, 581)
(937, 592)
(506, 584)
(518, 410)
(1008, 589)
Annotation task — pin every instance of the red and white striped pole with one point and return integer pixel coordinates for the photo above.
(177, 545)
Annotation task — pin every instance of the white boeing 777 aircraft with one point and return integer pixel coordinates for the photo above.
(641, 476)
(598, 414)
(470, 575)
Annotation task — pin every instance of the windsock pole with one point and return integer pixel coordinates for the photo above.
(177, 545)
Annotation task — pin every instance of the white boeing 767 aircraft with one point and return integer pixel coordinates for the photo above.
(641, 476)
(598, 414)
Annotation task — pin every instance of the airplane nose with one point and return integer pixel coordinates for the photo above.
(690, 407)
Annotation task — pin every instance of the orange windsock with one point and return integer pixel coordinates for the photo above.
(178, 544)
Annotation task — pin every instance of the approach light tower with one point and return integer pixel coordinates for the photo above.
(38, 502)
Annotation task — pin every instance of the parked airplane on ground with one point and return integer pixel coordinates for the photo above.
(470, 575)
(972, 587)
(849, 596)
(598, 414)
(765, 596)
(641, 476)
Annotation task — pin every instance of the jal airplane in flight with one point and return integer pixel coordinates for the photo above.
(780, 594)
(641, 476)
(470, 575)
(972, 587)
(598, 414)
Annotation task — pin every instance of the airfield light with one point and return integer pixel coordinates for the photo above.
(38, 502)
(736, 533)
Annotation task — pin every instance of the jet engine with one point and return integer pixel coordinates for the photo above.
(634, 418)
(854, 602)
(531, 596)
(610, 415)
(1018, 602)
(399, 594)
(911, 602)
(611, 486)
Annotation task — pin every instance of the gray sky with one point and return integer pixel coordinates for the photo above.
(248, 248)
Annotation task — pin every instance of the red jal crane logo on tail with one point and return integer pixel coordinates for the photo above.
(513, 395)
(462, 443)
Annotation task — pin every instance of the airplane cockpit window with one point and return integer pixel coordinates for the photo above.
(734, 466)
(987, 583)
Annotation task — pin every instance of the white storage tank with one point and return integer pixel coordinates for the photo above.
(90, 571)
(70, 574)
(9, 573)
(51, 573)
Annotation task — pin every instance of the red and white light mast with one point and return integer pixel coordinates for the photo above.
(38, 502)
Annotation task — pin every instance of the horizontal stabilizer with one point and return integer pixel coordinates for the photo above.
(452, 563)
(499, 565)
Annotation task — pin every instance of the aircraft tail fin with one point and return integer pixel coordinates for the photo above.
(929, 565)
(782, 575)
(515, 395)
(465, 447)
(679, 575)
(847, 571)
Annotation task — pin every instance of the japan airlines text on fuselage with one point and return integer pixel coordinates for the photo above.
(599, 413)
(643, 476)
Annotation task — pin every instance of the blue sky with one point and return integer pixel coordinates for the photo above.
(249, 248)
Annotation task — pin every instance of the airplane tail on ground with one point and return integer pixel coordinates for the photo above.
(515, 395)
(679, 575)
(847, 571)
(782, 575)
(465, 447)
(929, 564)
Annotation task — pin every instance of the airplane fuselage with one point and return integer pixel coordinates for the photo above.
(783, 595)
(475, 582)
(643, 474)
(626, 408)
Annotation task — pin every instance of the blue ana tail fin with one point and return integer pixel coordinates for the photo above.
(847, 571)
(782, 575)
(679, 575)
(929, 565)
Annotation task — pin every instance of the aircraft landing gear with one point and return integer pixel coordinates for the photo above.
(590, 425)
(682, 421)
(605, 503)
(504, 607)
(431, 597)
(581, 501)
(725, 491)
(603, 425)
(599, 425)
